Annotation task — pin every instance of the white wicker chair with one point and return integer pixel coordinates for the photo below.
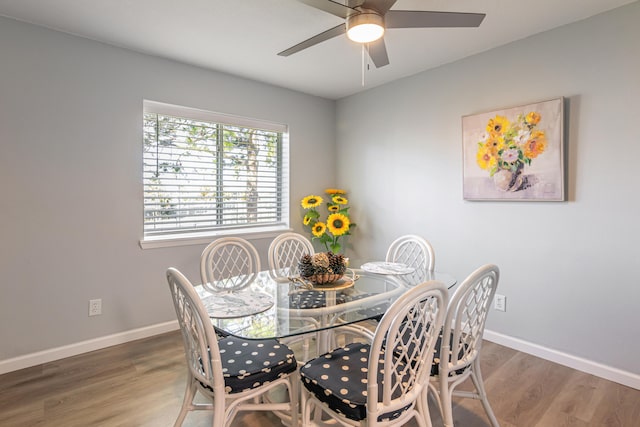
(458, 351)
(284, 253)
(414, 251)
(379, 384)
(411, 250)
(229, 264)
(231, 372)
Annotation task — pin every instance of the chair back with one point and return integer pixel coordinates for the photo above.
(466, 317)
(229, 264)
(406, 337)
(284, 253)
(198, 336)
(412, 250)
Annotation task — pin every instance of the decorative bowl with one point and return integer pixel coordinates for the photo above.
(323, 279)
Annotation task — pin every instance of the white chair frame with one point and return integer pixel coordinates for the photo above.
(285, 252)
(229, 264)
(416, 317)
(462, 341)
(205, 364)
(412, 250)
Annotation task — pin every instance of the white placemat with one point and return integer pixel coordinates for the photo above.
(384, 267)
(236, 304)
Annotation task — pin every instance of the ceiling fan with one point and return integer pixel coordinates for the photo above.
(366, 21)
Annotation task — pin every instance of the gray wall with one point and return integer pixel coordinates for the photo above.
(71, 180)
(569, 270)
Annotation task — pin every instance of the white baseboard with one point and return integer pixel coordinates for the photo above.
(612, 374)
(599, 370)
(50, 355)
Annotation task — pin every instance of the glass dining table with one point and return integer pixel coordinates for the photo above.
(275, 305)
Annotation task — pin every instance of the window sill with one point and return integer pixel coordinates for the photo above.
(206, 238)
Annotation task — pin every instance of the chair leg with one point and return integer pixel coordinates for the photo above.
(423, 409)
(446, 404)
(304, 410)
(311, 413)
(420, 419)
(305, 348)
(187, 401)
(294, 398)
(434, 390)
(478, 382)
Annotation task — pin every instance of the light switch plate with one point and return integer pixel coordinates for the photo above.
(500, 302)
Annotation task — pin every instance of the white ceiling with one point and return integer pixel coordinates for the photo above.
(243, 37)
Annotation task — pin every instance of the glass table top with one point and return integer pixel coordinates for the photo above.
(274, 306)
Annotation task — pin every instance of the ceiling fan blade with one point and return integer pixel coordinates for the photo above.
(332, 7)
(354, 3)
(380, 6)
(426, 19)
(318, 38)
(378, 53)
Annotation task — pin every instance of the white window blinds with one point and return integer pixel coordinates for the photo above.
(207, 172)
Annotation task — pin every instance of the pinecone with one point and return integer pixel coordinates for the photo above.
(321, 260)
(305, 266)
(322, 263)
(337, 263)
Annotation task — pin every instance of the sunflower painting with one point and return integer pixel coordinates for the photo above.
(515, 154)
(338, 224)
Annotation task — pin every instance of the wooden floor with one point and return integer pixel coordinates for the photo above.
(141, 384)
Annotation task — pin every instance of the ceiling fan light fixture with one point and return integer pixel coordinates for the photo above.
(365, 27)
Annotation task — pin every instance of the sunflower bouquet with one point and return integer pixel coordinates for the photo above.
(337, 225)
(507, 147)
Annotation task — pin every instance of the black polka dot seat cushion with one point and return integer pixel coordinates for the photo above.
(435, 366)
(311, 299)
(339, 379)
(307, 299)
(375, 312)
(247, 364)
(220, 333)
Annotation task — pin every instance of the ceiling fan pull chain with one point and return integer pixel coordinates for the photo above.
(363, 48)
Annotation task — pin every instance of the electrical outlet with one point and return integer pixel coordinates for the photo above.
(95, 307)
(500, 302)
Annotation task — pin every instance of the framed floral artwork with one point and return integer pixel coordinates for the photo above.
(515, 153)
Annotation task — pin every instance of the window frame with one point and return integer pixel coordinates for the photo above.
(202, 237)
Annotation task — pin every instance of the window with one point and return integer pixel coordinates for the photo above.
(206, 173)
